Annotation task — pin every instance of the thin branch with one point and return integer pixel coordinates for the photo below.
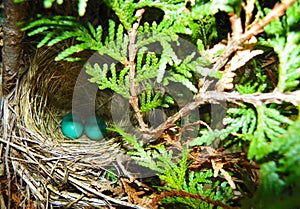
(255, 29)
(255, 99)
(132, 51)
(213, 97)
(277, 11)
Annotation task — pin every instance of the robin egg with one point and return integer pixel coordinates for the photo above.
(71, 126)
(95, 128)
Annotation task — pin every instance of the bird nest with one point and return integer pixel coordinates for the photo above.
(60, 172)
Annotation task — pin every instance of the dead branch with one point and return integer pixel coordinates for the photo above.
(238, 39)
(277, 11)
(255, 99)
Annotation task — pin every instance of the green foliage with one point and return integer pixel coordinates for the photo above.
(266, 137)
(61, 28)
(240, 122)
(125, 10)
(118, 83)
(148, 69)
(228, 6)
(149, 102)
(252, 82)
(285, 39)
(266, 131)
(289, 51)
(175, 173)
(115, 44)
(280, 180)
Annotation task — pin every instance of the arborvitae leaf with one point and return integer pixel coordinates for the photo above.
(269, 129)
(66, 27)
(259, 146)
(289, 54)
(148, 102)
(39, 30)
(238, 120)
(290, 149)
(149, 69)
(126, 136)
(46, 39)
(196, 181)
(111, 34)
(183, 80)
(271, 181)
(117, 82)
(57, 39)
(124, 10)
(285, 40)
(293, 15)
(123, 74)
(71, 50)
(119, 35)
(92, 29)
(72, 59)
(99, 32)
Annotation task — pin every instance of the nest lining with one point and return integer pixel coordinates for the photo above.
(58, 170)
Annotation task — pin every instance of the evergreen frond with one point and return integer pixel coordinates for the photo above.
(124, 10)
(175, 77)
(116, 82)
(239, 121)
(174, 172)
(46, 39)
(147, 70)
(269, 129)
(72, 50)
(289, 55)
(149, 102)
(278, 178)
(286, 42)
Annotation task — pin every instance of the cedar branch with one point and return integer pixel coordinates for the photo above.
(132, 51)
(213, 97)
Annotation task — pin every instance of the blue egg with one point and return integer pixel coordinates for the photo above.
(71, 117)
(71, 126)
(95, 128)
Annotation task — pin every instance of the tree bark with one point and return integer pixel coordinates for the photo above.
(12, 52)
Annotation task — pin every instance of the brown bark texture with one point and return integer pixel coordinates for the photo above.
(12, 52)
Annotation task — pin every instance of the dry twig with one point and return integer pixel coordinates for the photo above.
(238, 39)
